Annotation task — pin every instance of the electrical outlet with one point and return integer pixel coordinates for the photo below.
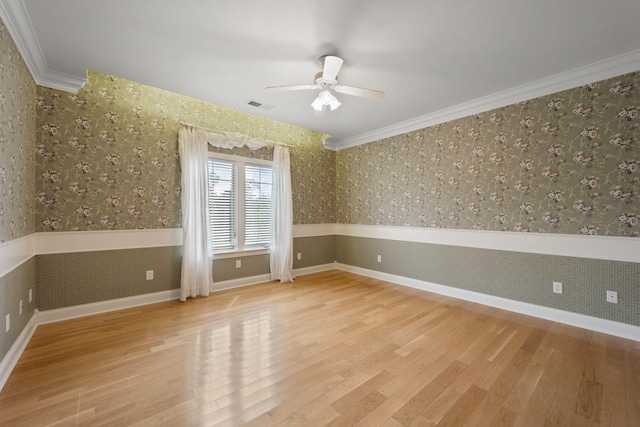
(149, 274)
(21, 307)
(238, 263)
(557, 287)
(299, 256)
(8, 323)
(612, 297)
(379, 258)
(30, 295)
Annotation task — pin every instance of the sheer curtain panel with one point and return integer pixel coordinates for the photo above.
(196, 276)
(282, 216)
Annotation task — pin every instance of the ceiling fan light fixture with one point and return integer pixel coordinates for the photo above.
(317, 104)
(334, 103)
(325, 97)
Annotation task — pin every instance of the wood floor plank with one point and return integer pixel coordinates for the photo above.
(333, 348)
(357, 394)
(463, 407)
(454, 391)
(613, 388)
(632, 385)
(359, 410)
(589, 400)
(421, 400)
(566, 393)
(523, 389)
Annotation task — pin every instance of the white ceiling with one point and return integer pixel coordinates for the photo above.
(435, 60)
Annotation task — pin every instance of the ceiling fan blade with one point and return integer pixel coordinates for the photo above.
(291, 87)
(331, 67)
(359, 91)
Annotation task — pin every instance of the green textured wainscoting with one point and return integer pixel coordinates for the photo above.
(319, 250)
(225, 269)
(517, 276)
(68, 279)
(14, 287)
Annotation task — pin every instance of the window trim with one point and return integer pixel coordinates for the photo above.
(240, 162)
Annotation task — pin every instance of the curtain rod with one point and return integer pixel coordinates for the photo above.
(221, 132)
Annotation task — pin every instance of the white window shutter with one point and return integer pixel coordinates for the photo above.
(222, 204)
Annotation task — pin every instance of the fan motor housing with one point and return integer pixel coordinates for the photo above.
(319, 80)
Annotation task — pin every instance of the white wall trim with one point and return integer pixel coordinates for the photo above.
(314, 269)
(612, 67)
(85, 241)
(240, 282)
(263, 278)
(73, 312)
(613, 248)
(16, 252)
(13, 355)
(313, 230)
(14, 15)
(618, 329)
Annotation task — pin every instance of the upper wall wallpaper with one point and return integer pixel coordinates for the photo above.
(107, 158)
(17, 142)
(566, 163)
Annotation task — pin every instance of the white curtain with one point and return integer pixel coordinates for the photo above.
(196, 276)
(282, 217)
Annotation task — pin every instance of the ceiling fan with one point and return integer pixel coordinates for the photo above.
(326, 81)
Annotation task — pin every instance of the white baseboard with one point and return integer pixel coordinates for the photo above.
(238, 283)
(609, 327)
(315, 269)
(13, 355)
(66, 313)
(262, 278)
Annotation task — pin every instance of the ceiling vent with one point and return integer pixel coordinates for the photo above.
(260, 105)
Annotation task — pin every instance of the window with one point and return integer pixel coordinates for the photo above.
(239, 203)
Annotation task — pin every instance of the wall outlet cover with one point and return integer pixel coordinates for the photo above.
(149, 274)
(557, 287)
(612, 297)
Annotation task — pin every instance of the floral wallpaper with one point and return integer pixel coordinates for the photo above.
(17, 142)
(565, 163)
(107, 157)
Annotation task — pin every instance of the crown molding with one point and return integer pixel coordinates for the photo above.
(16, 19)
(609, 68)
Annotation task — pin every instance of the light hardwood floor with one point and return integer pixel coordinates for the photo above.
(332, 349)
